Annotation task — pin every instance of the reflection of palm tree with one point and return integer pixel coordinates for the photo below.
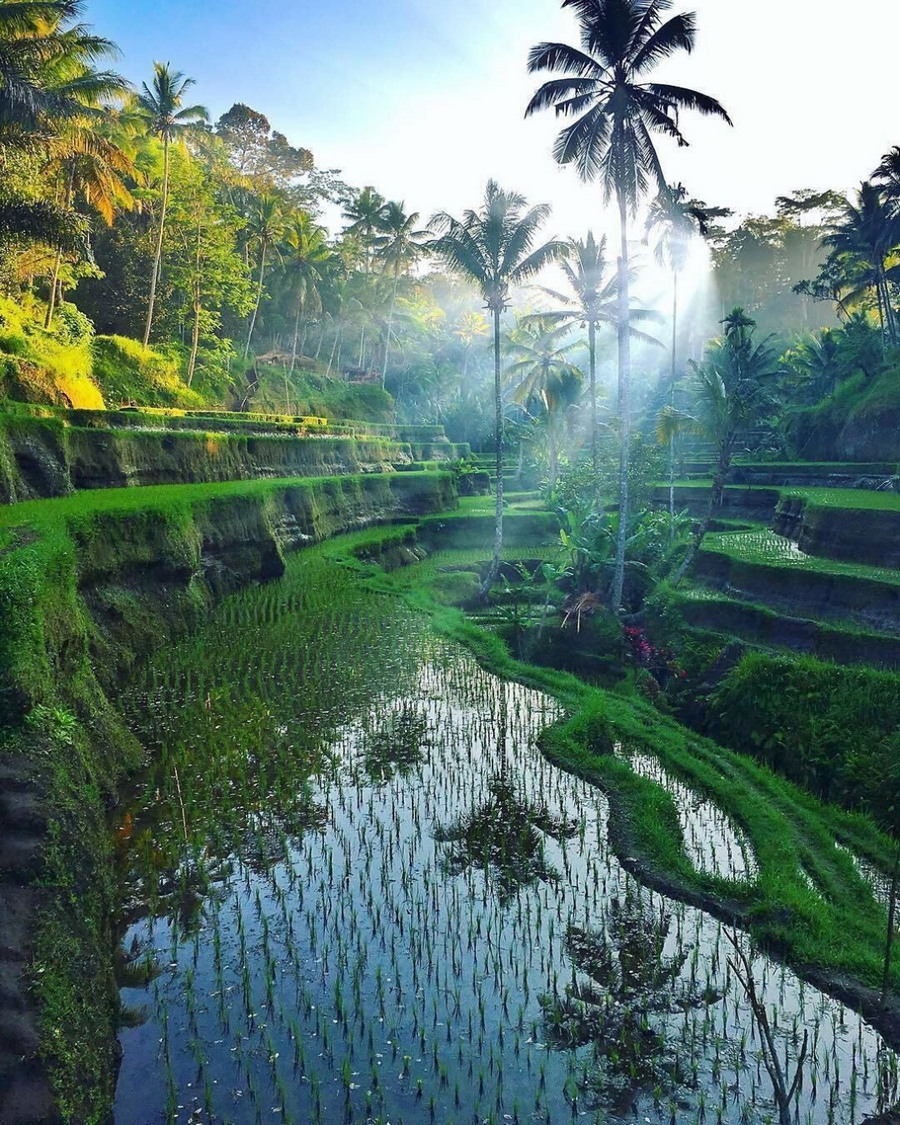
(624, 979)
(504, 838)
(617, 115)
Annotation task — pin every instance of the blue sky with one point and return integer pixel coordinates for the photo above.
(424, 98)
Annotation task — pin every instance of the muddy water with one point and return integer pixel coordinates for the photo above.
(363, 895)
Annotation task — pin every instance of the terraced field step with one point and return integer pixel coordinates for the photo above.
(712, 611)
(763, 567)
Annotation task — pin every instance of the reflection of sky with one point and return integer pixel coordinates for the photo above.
(425, 100)
(362, 918)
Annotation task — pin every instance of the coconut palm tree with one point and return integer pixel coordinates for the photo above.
(47, 72)
(887, 176)
(592, 300)
(618, 113)
(311, 264)
(94, 168)
(862, 240)
(365, 213)
(495, 248)
(676, 219)
(729, 392)
(397, 248)
(168, 118)
(264, 229)
(540, 369)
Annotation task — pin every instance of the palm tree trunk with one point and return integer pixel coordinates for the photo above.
(195, 344)
(297, 320)
(334, 345)
(553, 450)
(157, 259)
(624, 337)
(54, 285)
(592, 374)
(259, 293)
(674, 330)
(390, 328)
(494, 568)
(671, 487)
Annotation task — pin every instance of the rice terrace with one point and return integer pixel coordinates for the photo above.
(449, 629)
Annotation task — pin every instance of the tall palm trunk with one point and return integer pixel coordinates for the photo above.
(494, 568)
(674, 331)
(157, 259)
(390, 329)
(624, 337)
(259, 293)
(297, 320)
(54, 286)
(334, 347)
(197, 303)
(592, 376)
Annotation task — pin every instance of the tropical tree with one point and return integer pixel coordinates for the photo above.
(617, 115)
(94, 169)
(364, 212)
(592, 301)
(46, 67)
(168, 118)
(50, 96)
(676, 219)
(495, 248)
(887, 176)
(540, 368)
(311, 265)
(862, 241)
(397, 247)
(671, 423)
(729, 394)
(264, 229)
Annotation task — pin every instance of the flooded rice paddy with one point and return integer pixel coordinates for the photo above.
(353, 890)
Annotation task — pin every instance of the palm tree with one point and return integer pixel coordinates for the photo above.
(365, 212)
(862, 240)
(494, 247)
(263, 229)
(94, 168)
(670, 425)
(677, 220)
(611, 139)
(39, 85)
(397, 247)
(729, 392)
(50, 89)
(540, 369)
(162, 107)
(887, 175)
(592, 301)
(311, 264)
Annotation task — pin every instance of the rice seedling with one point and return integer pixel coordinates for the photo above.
(407, 914)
